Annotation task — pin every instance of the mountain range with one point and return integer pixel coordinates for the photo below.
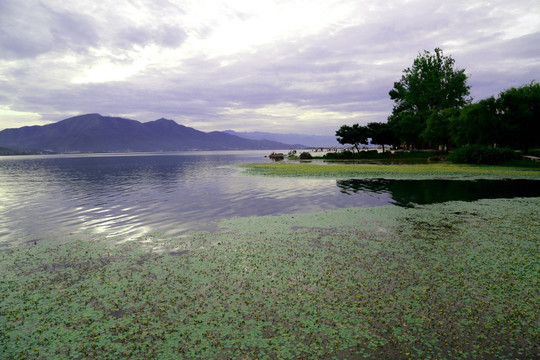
(314, 141)
(97, 133)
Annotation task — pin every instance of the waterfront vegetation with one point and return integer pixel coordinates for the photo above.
(473, 154)
(405, 171)
(448, 281)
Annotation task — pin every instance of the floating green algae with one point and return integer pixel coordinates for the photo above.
(445, 281)
(414, 171)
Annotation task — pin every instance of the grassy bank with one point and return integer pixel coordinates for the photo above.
(416, 171)
(446, 281)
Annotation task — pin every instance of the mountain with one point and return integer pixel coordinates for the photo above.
(308, 140)
(97, 133)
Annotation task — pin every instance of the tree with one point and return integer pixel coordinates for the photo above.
(381, 134)
(519, 109)
(479, 123)
(431, 84)
(353, 135)
(512, 119)
(437, 131)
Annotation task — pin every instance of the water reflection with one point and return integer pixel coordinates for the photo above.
(130, 196)
(133, 196)
(409, 192)
(127, 196)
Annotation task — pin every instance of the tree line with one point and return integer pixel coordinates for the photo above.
(433, 109)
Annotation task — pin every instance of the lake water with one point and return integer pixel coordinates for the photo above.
(134, 195)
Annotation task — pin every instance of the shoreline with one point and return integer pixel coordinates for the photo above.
(406, 171)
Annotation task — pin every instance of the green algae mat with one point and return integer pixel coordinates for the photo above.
(414, 172)
(447, 281)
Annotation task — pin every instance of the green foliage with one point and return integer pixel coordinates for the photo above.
(519, 109)
(478, 123)
(432, 106)
(349, 155)
(353, 135)
(373, 156)
(381, 134)
(448, 281)
(478, 154)
(437, 131)
(408, 127)
(431, 84)
(305, 156)
(512, 119)
(534, 152)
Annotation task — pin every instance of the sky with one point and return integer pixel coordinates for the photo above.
(282, 66)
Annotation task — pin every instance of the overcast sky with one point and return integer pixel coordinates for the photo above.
(306, 66)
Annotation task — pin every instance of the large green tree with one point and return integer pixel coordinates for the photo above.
(432, 84)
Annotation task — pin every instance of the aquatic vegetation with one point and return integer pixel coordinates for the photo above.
(416, 171)
(445, 281)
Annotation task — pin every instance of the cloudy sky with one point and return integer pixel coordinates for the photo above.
(304, 66)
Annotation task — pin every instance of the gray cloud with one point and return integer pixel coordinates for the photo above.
(207, 67)
(161, 35)
(29, 29)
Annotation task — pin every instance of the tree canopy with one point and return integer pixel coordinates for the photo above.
(381, 134)
(512, 119)
(431, 85)
(354, 135)
(519, 109)
(433, 107)
(437, 130)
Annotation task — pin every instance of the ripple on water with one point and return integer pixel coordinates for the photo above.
(130, 196)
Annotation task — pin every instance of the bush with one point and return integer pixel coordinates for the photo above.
(305, 156)
(534, 152)
(339, 155)
(477, 154)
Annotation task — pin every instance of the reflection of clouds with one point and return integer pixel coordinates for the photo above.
(132, 197)
(112, 225)
(129, 197)
(275, 187)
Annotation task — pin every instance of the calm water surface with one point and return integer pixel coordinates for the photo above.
(133, 195)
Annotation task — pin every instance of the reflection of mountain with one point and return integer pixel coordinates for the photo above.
(409, 192)
(96, 133)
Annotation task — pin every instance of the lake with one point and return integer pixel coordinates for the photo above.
(128, 196)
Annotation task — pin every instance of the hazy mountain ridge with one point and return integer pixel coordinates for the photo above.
(306, 140)
(97, 133)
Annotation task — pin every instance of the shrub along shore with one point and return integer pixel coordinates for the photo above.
(442, 281)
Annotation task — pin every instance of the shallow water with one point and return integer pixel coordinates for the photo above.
(134, 195)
